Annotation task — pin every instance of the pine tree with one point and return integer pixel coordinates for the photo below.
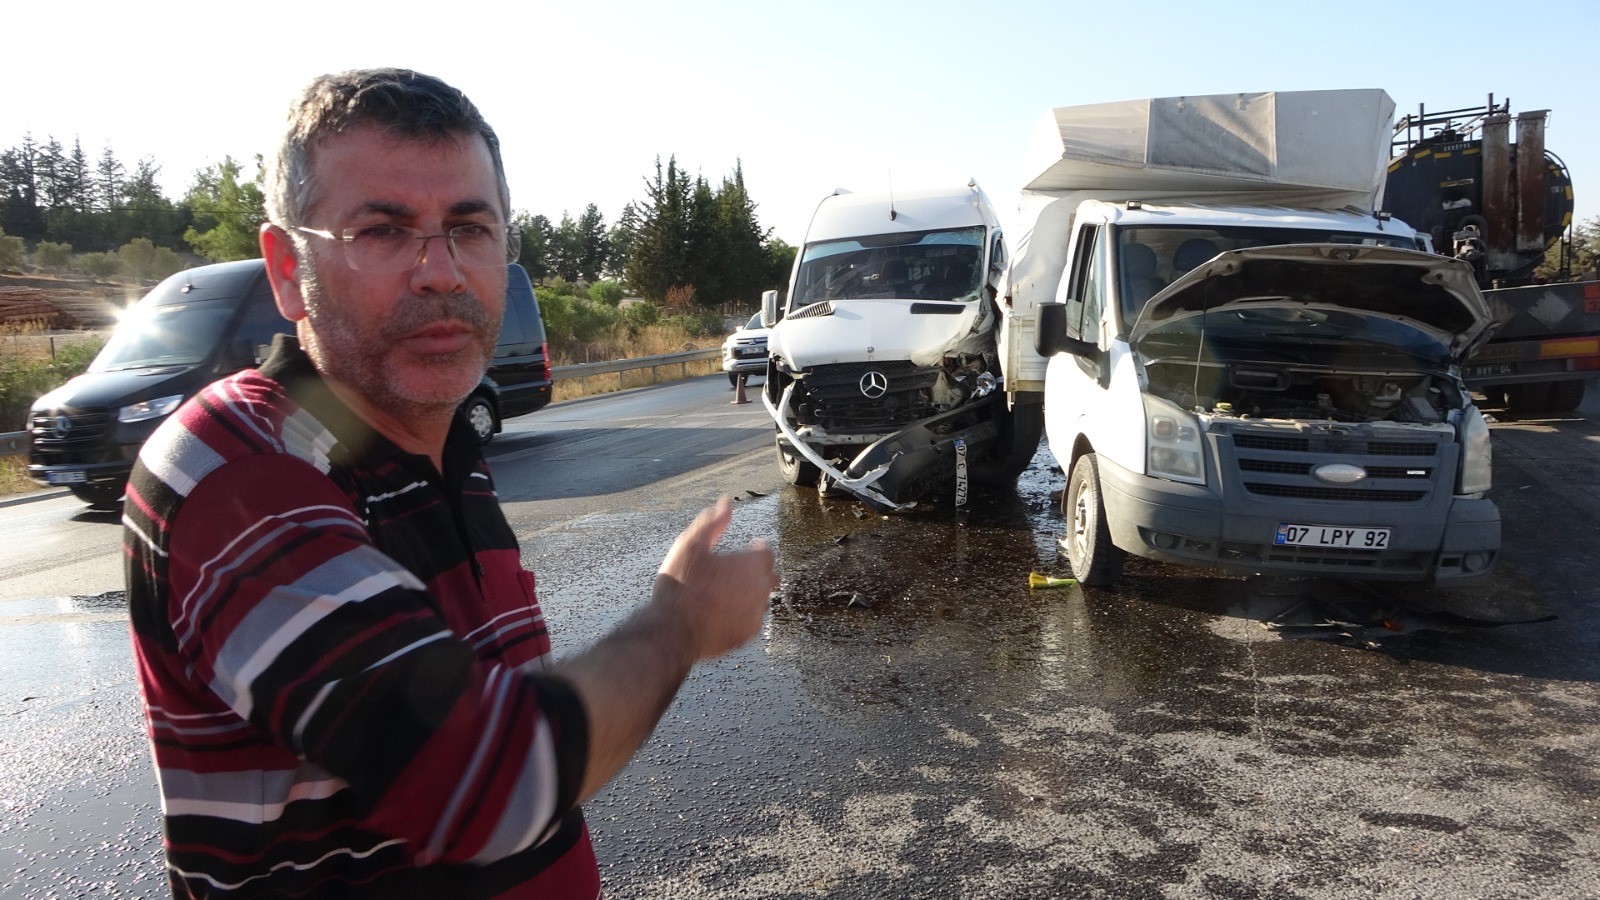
(594, 245)
(658, 254)
(621, 240)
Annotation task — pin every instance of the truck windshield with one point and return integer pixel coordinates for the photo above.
(913, 265)
(173, 335)
(1154, 256)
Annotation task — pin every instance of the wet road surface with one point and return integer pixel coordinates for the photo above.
(914, 721)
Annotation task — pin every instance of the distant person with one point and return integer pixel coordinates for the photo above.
(346, 673)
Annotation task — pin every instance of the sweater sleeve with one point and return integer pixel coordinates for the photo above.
(289, 614)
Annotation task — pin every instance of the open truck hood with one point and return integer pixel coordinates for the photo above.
(844, 331)
(1435, 295)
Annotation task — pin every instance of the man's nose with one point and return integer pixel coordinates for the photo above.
(436, 269)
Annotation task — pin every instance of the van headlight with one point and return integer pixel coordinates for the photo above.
(149, 409)
(1476, 455)
(1173, 448)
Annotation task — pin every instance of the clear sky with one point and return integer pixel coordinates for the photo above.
(810, 96)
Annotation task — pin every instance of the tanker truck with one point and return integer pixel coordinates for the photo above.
(898, 371)
(1501, 201)
(1249, 366)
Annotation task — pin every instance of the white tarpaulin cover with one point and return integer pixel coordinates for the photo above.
(1297, 149)
(1321, 144)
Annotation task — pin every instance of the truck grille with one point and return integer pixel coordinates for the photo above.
(833, 398)
(1282, 465)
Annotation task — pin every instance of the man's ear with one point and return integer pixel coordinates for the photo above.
(283, 270)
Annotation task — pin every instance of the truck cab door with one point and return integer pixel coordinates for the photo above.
(1085, 300)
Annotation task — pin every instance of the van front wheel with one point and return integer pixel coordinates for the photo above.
(796, 469)
(1090, 553)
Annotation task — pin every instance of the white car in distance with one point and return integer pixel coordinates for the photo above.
(745, 351)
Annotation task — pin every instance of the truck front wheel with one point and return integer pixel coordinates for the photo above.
(1090, 553)
(796, 469)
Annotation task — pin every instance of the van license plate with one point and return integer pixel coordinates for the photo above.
(66, 477)
(1489, 371)
(1352, 537)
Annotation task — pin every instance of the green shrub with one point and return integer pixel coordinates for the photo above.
(24, 379)
(706, 323)
(570, 319)
(640, 316)
(606, 293)
(99, 265)
(52, 255)
(12, 251)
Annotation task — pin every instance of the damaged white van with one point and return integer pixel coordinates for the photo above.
(1295, 409)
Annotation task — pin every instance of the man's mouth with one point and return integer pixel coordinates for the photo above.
(440, 337)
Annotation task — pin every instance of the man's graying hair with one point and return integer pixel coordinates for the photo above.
(404, 104)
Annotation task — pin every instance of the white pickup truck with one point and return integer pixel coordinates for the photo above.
(1249, 367)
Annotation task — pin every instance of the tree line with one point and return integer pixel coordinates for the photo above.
(685, 244)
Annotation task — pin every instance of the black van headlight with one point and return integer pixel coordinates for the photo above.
(149, 409)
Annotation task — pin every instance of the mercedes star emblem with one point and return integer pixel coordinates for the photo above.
(874, 384)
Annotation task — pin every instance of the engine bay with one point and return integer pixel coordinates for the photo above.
(1255, 391)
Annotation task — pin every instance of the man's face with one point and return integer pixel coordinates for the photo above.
(413, 342)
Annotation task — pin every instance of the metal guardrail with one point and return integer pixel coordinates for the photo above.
(14, 442)
(619, 366)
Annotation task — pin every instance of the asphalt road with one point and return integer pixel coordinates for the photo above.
(914, 721)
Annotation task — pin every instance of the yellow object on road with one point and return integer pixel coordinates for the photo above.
(1035, 580)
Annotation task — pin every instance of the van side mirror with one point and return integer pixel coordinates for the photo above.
(769, 308)
(1050, 335)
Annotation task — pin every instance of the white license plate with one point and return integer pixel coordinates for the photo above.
(1347, 536)
(66, 477)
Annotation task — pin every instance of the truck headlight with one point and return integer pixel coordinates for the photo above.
(149, 409)
(1172, 441)
(1476, 454)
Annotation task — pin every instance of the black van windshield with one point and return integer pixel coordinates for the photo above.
(181, 334)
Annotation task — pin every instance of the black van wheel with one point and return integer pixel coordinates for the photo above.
(1090, 553)
(480, 415)
(100, 497)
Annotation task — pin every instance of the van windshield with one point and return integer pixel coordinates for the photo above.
(180, 334)
(914, 265)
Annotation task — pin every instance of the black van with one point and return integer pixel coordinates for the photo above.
(202, 324)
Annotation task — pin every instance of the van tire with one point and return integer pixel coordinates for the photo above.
(100, 497)
(1528, 398)
(796, 469)
(1090, 553)
(480, 415)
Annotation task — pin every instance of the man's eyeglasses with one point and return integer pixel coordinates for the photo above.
(395, 248)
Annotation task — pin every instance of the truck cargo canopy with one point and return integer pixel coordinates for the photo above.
(1328, 147)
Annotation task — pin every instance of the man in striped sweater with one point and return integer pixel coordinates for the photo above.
(346, 673)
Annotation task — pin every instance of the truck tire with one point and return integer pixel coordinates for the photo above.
(100, 497)
(1090, 553)
(796, 469)
(1565, 396)
(1528, 398)
(1020, 429)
